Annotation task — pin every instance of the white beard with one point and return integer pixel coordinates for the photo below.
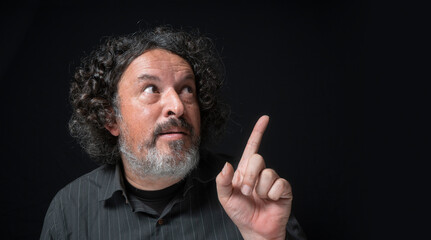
(176, 164)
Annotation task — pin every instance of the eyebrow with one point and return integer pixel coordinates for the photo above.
(149, 77)
(190, 76)
(144, 77)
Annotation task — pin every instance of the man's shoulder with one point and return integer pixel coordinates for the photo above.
(91, 182)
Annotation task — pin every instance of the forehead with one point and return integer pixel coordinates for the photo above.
(159, 60)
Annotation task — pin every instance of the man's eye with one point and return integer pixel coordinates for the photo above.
(188, 90)
(151, 89)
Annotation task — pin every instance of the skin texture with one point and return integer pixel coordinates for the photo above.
(160, 85)
(156, 86)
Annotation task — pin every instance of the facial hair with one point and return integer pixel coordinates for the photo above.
(176, 163)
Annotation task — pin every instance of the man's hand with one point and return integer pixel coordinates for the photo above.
(256, 199)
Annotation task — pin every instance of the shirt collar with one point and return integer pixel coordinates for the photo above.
(113, 182)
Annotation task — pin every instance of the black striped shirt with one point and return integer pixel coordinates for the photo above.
(96, 206)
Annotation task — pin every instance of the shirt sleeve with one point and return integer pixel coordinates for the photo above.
(294, 230)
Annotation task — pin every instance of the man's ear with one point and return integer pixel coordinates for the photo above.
(113, 129)
(111, 125)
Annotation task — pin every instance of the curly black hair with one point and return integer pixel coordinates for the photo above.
(93, 89)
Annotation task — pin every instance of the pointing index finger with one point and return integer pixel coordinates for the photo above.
(254, 140)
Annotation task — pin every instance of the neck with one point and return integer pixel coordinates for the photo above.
(149, 183)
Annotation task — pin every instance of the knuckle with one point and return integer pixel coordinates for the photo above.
(268, 172)
(257, 157)
(282, 183)
(257, 160)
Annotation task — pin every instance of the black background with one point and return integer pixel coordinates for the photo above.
(338, 80)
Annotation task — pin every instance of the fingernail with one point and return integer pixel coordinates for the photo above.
(224, 169)
(246, 190)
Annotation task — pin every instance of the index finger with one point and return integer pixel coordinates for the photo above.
(255, 138)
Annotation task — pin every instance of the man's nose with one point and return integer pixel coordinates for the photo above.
(172, 104)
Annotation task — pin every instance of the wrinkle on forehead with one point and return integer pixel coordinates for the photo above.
(163, 60)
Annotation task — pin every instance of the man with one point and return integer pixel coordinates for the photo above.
(144, 106)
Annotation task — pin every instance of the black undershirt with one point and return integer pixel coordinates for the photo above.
(157, 199)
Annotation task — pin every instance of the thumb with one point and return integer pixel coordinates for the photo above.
(224, 183)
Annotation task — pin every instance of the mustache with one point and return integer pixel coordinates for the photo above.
(173, 122)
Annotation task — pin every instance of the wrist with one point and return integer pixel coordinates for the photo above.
(255, 236)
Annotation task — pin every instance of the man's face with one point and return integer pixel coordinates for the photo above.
(159, 118)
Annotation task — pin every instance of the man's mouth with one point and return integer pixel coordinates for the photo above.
(168, 133)
(173, 134)
(173, 129)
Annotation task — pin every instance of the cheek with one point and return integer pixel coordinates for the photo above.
(140, 119)
(147, 118)
(146, 113)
